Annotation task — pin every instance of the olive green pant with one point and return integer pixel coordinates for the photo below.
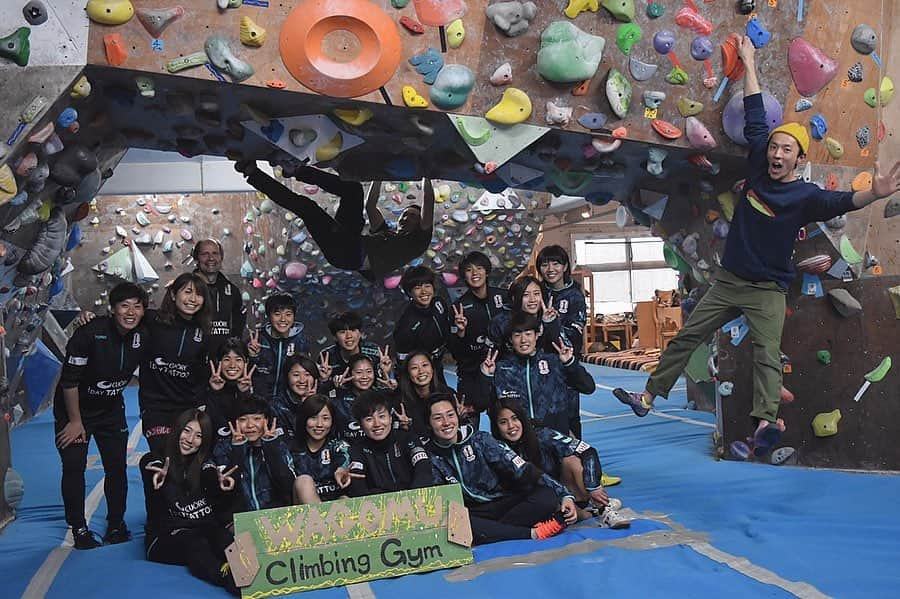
(763, 305)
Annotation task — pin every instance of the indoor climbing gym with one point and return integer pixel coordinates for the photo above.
(449, 298)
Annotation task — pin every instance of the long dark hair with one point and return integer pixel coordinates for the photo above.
(185, 470)
(167, 310)
(517, 292)
(528, 446)
(308, 409)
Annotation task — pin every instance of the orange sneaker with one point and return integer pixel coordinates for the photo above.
(549, 528)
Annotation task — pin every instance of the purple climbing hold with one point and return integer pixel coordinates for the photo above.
(818, 126)
(592, 120)
(701, 48)
(663, 41)
(733, 116)
(803, 104)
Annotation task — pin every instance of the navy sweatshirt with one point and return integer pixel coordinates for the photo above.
(769, 213)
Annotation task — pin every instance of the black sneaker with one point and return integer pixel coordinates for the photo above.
(85, 539)
(117, 534)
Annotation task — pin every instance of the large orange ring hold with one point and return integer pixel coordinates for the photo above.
(341, 48)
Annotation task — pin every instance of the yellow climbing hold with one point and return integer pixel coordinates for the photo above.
(353, 116)
(726, 201)
(826, 423)
(576, 7)
(251, 33)
(886, 92)
(442, 193)
(834, 147)
(43, 211)
(412, 98)
(8, 187)
(331, 149)
(110, 12)
(81, 89)
(456, 33)
(514, 108)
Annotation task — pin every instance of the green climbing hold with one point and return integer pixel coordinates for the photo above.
(825, 424)
(823, 356)
(677, 76)
(403, 187)
(618, 92)
(870, 98)
(848, 252)
(473, 139)
(451, 87)
(627, 35)
(688, 107)
(16, 47)
(399, 3)
(568, 54)
(655, 10)
(623, 10)
(197, 59)
(673, 260)
(879, 372)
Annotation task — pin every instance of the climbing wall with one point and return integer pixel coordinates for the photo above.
(268, 250)
(828, 359)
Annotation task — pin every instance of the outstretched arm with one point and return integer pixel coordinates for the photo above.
(376, 220)
(747, 53)
(427, 205)
(883, 185)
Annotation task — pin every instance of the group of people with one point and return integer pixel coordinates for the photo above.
(240, 420)
(244, 420)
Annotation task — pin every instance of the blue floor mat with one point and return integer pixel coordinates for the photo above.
(833, 531)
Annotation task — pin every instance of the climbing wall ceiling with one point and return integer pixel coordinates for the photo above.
(270, 249)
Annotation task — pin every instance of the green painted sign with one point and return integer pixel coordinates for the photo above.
(305, 547)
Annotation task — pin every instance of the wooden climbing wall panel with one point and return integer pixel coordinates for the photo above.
(868, 430)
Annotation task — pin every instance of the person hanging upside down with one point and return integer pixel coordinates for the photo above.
(774, 204)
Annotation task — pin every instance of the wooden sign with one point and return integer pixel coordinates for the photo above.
(305, 547)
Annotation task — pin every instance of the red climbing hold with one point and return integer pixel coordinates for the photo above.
(666, 129)
(412, 25)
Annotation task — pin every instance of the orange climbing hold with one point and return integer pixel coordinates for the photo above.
(831, 182)
(620, 133)
(862, 181)
(582, 88)
(666, 129)
(116, 52)
(341, 48)
(732, 65)
(276, 84)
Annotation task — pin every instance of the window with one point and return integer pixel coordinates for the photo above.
(625, 271)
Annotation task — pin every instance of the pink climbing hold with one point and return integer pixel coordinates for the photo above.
(249, 230)
(450, 278)
(810, 67)
(271, 283)
(698, 135)
(392, 282)
(186, 235)
(311, 189)
(257, 284)
(326, 279)
(295, 270)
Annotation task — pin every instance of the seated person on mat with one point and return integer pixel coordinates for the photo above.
(318, 453)
(569, 460)
(507, 497)
(183, 488)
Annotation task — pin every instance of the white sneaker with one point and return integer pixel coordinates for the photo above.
(615, 503)
(610, 518)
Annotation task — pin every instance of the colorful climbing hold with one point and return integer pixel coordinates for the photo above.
(16, 46)
(834, 147)
(855, 73)
(218, 50)
(156, 20)
(557, 115)
(568, 54)
(803, 104)
(698, 135)
(622, 10)
(666, 129)
(251, 34)
(627, 35)
(810, 68)
(110, 12)
(825, 424)
(653, 99)
(592, 120)
(862, 181)
(512, 18)
(618, 92)
(677, 76)
(412, 98)
(354, 116)
(688, 107)
(452, 86)
(655, 9)
(412, 25)
(502, 75)
(456, 33)
(701, 48)
(823, 356)
(514, 107)
(818, 127)
(758, 34)
(576, 7)
(864, 39)
(428, 64)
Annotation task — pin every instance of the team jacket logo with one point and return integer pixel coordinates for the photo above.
(227, 289)
(563, 307)
(326, 456)
(136, 341)
(290, 350)
(498, 301)
(543, 367)
(469, 453)
(173, 369)
(439, 307)
(198, 335)
(758, 204)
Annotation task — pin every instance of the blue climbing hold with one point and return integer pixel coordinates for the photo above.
(428, 64)
(67, 117)
(818, 126)
(758, 34)
(74, 238)
(592, 120)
